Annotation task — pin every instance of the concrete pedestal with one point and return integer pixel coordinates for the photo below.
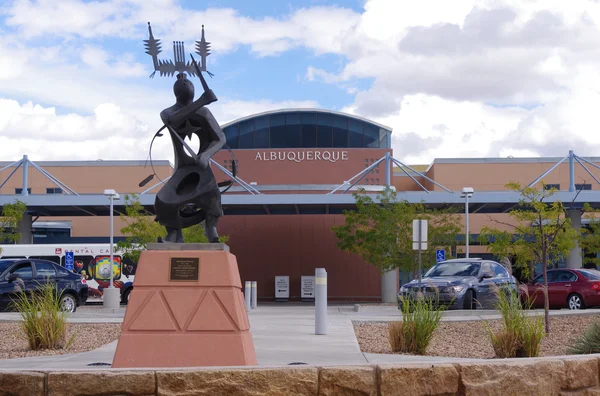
(111, 297)
(186, 309)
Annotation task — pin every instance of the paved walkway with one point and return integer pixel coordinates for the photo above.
(282, 334)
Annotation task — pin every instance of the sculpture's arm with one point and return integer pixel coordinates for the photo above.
(218, 137)
(181, 115)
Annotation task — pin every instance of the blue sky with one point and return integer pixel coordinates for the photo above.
(469, 78)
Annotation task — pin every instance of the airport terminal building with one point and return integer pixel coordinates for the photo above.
(302, 154)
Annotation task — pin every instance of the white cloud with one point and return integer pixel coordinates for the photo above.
(453, 79)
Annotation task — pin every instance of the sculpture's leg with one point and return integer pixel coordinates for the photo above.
(174, 235)
(210, 228)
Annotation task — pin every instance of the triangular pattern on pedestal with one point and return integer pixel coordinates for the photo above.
(210, 316)
(183, 303)
(154, 314)
(228, 298)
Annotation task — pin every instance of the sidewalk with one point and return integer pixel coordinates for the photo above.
(282, 333)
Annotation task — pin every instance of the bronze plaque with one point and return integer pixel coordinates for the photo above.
(184, 269)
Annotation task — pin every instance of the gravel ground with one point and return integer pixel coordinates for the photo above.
(88, 336)
(471, 339)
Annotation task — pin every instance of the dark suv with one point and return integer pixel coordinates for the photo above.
(29, 274)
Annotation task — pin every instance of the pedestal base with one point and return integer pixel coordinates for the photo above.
(111, 297)
(174, 320)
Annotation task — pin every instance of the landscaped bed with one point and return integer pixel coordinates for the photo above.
(89, 336)
(472, 340)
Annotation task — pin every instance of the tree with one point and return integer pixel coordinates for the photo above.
(589, 240)
(141, 229)
(381, 233)
(12, 214)
(542, 234)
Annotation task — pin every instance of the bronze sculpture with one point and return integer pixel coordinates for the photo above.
(192, 194)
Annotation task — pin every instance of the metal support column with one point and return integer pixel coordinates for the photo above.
(575, 260)
(571, 171)
(25, 175)
(388, 170)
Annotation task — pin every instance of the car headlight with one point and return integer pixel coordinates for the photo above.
(452, 289)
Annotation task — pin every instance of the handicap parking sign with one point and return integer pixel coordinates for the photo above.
(440, 255)
(69, 260)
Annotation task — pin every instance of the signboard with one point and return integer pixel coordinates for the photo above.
(307, 286)
(301, 156)
(420, 225)
(440, 255)
(282, 287)
(69, 261)
(184, 269)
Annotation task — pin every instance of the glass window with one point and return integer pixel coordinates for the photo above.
(19, 191)
(4, 264)
(44, 270)
(54, 190)
(540, 279)
(384, 139)
(453, 269)
(278, 131)
(591, 274)
(499, 271)
(54, 259)
(355, 133)
(24, 271)
(231, 133)
(340, 131)
(324, 131)
(371, 136)
(583, 187)
(261, 132)
(309, 129)
(565, 276)
(293, 130)
(246, 134)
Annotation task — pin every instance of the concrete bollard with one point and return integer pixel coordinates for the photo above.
(320, 301)
(247, 294)
(254, 293)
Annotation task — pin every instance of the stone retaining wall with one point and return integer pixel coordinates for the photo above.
(550, 376)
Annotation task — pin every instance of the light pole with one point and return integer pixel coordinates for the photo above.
(467, 192)
(111, 295)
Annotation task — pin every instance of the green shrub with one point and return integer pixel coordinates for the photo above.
(44, 322)
(420, 318)
(521, 335)
(589, 342)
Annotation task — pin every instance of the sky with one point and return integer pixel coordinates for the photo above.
(453, 79)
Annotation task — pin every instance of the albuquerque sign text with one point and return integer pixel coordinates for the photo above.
(300, 156)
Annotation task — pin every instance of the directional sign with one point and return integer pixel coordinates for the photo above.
(440, 255)
(69, 260)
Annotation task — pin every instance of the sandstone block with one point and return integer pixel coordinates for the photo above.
(21, 383)
(537, 377)
(101, 382)
(348, 381)
(580, 373)
(582, 392)
(239, 382)
(414, 380)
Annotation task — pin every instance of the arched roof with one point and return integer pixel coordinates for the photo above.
(291, 110)
(305, 128)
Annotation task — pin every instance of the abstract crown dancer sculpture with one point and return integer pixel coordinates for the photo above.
(192, 194)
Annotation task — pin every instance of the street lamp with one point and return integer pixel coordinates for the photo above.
(111, 295)
(467, 192)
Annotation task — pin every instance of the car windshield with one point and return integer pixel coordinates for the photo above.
(591, 274)
(453, 269)
(4, 264)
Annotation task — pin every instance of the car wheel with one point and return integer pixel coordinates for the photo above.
(574, 301)
(68, 303)
(469, 303)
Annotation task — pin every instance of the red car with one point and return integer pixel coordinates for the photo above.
(567, 288)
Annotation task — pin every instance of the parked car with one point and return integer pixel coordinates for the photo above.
(567, 288)
(30, 274)
(462, 283)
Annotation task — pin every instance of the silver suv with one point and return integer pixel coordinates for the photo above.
(462, 283)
